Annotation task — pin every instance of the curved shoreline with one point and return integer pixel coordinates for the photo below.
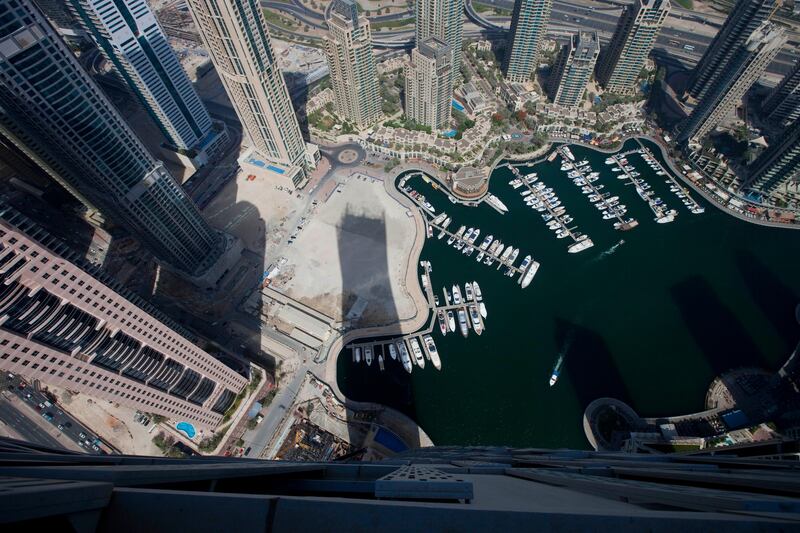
(412, 285)
(409, 325)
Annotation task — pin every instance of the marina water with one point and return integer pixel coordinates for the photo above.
(651, 320)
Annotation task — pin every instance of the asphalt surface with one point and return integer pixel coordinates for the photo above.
(25, 426)
(565, 16)
(27, 429)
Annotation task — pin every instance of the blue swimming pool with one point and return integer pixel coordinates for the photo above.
(457, 105)
(187, 428)
(389, 440)
(449, 133)
(263, 164)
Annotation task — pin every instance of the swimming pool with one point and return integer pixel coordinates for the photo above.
(457, 105)
(449, 133)
(389, 440)
(262, 164)
(187, 428)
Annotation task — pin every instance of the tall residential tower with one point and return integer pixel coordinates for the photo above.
(443, 19)
(235, 34)
(777, 165)
(783, 105)
(746, 17)
(69, 324)
(54, 112)
(348, 48)
(528, 29)
(622, 61)
(429, 86)
(128, 34)
(742, 71)
(574, 68)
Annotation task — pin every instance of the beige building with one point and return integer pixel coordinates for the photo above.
(429, 85)
(72, 326)
(443, 19)
(637, 30)
(348, 48)
(746, 66)
(235, 35)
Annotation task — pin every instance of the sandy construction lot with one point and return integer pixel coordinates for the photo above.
(353, 255)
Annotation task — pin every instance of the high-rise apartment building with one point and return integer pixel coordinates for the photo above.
(742, 71)
(129, 36)
(429, 86)
(777, 165)
(574, 68)
(54, 112)
(528, 29)
(235, 34)
(783, 105)
(70, 325)
(746, 17)
(443, 19)
(348, 47)
(622, 61)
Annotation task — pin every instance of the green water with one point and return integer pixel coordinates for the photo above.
(651, 323)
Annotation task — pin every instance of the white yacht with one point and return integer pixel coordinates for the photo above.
(433, 352)
(392, 352)
(368, 355)
(404, 357)
(419, 359)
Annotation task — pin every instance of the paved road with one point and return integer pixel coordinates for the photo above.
(25, 427)
(72, 429)
(258, 439)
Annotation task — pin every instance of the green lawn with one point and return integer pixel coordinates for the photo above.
(686, 4)
(393, 23)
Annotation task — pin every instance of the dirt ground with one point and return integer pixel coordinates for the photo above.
(252, 211)
(112, 423)
(356, 246)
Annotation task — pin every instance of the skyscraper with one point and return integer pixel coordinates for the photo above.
(528, 29)
(69, 324)
(54, 112)
(443, 19)
(429, 86)
(622, 61)
(235, 34)
(742, 71)
(574, 68)
(128, 34)
(348, 48)
(746, 17)
(777, 165)
(783, 105)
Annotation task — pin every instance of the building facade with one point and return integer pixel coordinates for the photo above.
(429, 84)
(528, 29)
(70, 325)
(783, 105)
(777, 165)
(622, 61)
(745, 18)
(235, 34)
(574, 69)
(55, 113)
(743, 70)
(129, 36)
(443, 19)
(348, 48)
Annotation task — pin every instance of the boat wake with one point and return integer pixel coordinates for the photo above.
(610, 251)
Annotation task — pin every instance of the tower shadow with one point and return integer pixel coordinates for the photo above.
(367, 300)
(775, 300)
(716, 330)
(589, 364)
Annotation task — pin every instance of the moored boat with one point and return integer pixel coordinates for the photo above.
(433, 352)
(405, 359)
(451, 321)
(462, 322)
(477, 325)
(419, 359)
(442, 322)
(392, 352)
(368, 355)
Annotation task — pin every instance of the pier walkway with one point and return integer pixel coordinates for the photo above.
(584, 171)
